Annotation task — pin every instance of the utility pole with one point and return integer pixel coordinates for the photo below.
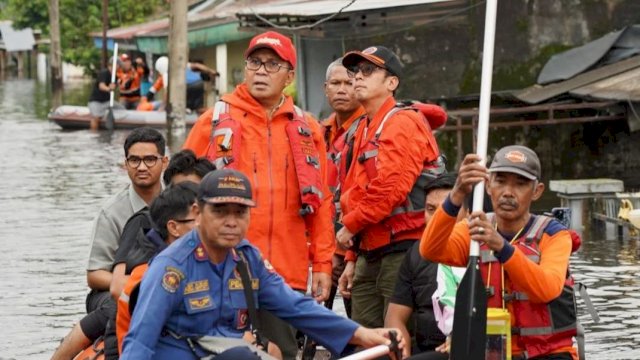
(56, 52)
(178, 54)
(105, 27)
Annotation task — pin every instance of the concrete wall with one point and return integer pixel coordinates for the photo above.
(311, 86)
(443, 60)
(235, 65)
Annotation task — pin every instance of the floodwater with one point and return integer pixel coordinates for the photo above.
(53, 182)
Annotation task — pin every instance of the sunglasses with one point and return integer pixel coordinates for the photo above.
(366, 68)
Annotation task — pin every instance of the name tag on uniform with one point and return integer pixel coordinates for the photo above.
(196, 286)
(236, 284)
(200, 303)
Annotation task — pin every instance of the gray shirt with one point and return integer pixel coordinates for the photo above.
(108, 225)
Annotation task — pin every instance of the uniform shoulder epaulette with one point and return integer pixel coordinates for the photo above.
(181, 250)
(554, 227)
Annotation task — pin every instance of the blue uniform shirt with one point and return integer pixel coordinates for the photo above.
(186, 293)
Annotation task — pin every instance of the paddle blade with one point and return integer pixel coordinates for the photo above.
(110, 120)
(469, 334)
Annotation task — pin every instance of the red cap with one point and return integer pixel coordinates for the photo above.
(124, 57)
(277, 42)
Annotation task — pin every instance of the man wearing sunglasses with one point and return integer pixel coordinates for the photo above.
(258, 131)
(381, 216)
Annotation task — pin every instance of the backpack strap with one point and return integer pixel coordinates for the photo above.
(256, 329)
(536, 230)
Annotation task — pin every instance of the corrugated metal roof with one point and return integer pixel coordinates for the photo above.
(327, 7)
(536, 94)
(323, 19)
(15, 40)
(129, 32)
(624, 86)
(209, 34)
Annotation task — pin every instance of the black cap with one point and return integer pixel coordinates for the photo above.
(517, 159)
(226, 187)
(378, 55)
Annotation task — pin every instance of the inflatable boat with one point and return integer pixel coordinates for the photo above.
(71, 117)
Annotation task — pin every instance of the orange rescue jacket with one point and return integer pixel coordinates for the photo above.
(446, 242)
(404, 145)
(335, 141)
(123, 314)
(129, 83)
(287, 239)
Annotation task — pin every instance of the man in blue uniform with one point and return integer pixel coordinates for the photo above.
(193, 287)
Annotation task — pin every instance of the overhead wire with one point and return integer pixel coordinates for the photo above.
(358, 36)
(300, 27)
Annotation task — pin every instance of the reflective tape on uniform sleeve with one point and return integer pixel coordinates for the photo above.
(124, 297)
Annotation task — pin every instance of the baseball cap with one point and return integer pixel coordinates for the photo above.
(224, 187)
(277, 42)
(517, 159)
(378, 55)
(124, 57)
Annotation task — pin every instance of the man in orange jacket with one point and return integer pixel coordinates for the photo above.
(260, 132)
(128, 83)
(529, 254)
(382, 201)
(341, 96)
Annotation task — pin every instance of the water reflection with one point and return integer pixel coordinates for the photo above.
(53, 182)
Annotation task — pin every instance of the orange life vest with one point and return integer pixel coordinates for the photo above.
(338, 164)
(410, 214)
(125, 305)
(541, 327)
(94, 351)
(224, 147)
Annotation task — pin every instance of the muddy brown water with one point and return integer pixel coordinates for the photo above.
(52, 183)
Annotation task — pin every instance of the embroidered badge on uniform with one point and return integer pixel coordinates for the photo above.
(196, 286)
(242, 319)
(200, 254)
(236, 284)
(200, 303)
(171, 281)
(268, 266)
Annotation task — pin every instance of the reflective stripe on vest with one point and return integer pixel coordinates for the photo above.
(124, 297)
(408, 215)
(305, 155)
(544, 330)
(542, 327)
(487, 256)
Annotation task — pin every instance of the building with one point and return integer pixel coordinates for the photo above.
(15, 46)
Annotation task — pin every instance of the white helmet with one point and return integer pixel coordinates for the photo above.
(162, 65)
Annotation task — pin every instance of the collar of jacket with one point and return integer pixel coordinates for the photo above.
(241, 98)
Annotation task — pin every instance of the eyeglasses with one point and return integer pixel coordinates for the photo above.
(184, 221)
(366, 68)
(270, 66)
(149, 160)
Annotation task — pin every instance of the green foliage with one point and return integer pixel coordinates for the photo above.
(79, 18)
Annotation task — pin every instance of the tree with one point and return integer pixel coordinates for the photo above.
(78, 19)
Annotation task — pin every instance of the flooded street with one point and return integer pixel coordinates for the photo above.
(52, 184)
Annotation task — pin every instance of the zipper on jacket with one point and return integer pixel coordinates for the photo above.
(255, 177)
(286, 181)
(271, 205)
